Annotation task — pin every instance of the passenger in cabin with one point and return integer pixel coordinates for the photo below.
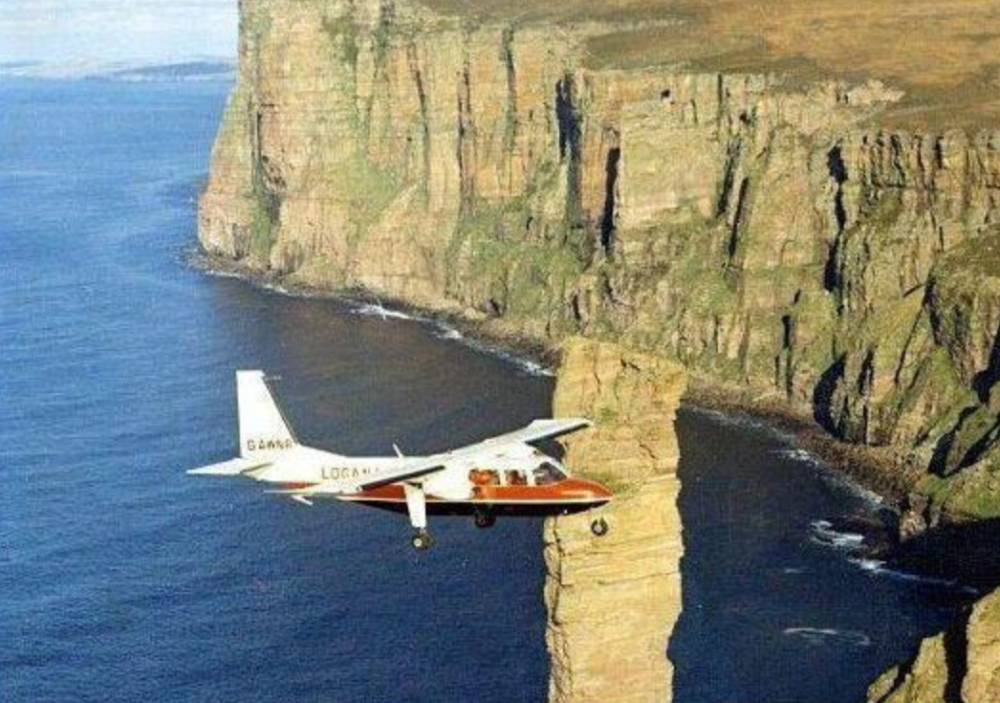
(516, 478)
(484, 477)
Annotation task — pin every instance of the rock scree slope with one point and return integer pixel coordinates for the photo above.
(796, 227)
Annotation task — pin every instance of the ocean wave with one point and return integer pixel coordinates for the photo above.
(826, 535)
(878, 568)
(830, 477)
(847, 484)
(524, 364)
(379, 310)
(449, 334)
(800, 455)
(818, 636)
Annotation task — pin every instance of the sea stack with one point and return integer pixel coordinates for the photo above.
(613, 600)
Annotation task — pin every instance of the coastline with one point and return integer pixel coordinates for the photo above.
(882, 470)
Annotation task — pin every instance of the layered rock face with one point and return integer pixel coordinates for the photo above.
(613, 600)
(768, 234)
(959, 666)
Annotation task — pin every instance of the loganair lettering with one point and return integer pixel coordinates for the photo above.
(337, 473)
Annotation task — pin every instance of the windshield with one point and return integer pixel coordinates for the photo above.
(548, 473)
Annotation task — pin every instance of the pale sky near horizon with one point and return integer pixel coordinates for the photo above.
(113, 30)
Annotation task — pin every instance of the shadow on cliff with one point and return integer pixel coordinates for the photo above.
(968, 553)
(822, 399)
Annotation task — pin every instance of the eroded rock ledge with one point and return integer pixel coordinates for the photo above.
(613, 600)
(961, 665)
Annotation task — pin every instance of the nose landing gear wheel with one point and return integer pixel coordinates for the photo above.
(485, 519)
(599, 527)
(421, 540)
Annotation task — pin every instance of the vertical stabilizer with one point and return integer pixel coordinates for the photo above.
(264, 431)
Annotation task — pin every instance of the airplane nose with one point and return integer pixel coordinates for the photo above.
(592, 490)
(599, 490)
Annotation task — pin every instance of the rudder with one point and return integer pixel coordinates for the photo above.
(264, 431)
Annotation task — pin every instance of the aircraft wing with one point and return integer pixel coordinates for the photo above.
(233, 467)
(418, 468)
(538, 431)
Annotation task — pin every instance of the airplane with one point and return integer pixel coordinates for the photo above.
(502, 475)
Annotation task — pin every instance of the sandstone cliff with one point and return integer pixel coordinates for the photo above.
(959, 666)
(767, 232)
(613, 600)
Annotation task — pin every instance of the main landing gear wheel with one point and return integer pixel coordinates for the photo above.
(599, 527)
(485, 519)
(421, 540)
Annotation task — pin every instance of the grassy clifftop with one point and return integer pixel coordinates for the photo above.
(944, 54)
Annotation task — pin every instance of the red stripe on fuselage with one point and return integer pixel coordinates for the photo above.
(572, 491)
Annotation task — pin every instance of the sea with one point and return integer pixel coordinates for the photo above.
(123, 579)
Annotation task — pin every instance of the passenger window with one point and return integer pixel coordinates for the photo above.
(547, 474)
(516, 478)
(483, 477)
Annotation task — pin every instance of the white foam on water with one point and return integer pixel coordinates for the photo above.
(824, 534)
(832, 477)
(878, 568)
(449, 334)
(802, 456)
(870, 497)
(738, 419)
(818, 636)
(379, 310)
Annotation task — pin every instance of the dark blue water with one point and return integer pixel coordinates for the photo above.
(789, 594)
(121, 579)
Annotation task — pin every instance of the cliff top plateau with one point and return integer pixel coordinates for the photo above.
(942, 53)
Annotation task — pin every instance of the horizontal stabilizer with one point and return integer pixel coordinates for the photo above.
(233, 467)
(307, 491)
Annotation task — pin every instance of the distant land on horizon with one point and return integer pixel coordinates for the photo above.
(196, 68)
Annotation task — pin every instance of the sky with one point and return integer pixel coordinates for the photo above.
(116, 30)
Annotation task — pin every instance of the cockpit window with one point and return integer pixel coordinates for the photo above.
(547, 473)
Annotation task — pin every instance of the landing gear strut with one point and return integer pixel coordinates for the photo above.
(599, 527)
(416, 505)
(485, 519)
(422, 540)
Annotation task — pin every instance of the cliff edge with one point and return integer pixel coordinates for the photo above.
(613, 600)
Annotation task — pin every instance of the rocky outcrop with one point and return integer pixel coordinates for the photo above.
(768, 233)
(959, 666)
(613, 600)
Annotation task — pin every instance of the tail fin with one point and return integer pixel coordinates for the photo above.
(264, 431)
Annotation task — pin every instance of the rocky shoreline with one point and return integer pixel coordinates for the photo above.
(884, 471)
(493, 333)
